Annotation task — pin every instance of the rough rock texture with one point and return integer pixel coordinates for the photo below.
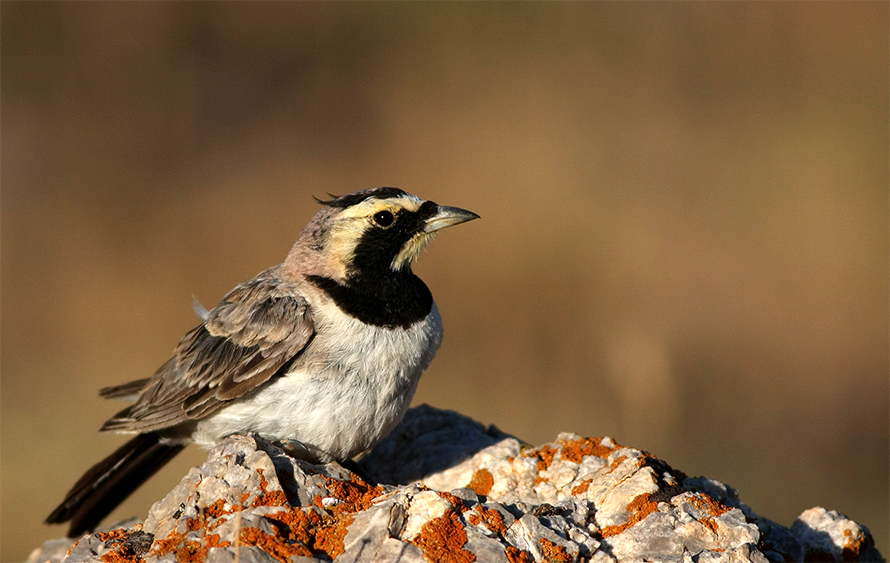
(452, 491)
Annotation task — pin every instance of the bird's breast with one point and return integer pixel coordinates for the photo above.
(346, 392)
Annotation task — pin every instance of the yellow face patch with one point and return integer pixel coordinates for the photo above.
(350, 224)
(411, 250)
(370, 206)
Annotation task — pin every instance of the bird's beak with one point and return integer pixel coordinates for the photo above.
(448, 216)
(444, 217)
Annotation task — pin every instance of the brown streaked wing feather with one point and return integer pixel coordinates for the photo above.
(257, 330)
(124, 390)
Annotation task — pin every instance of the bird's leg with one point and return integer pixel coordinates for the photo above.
(299, 450)
(295, 448)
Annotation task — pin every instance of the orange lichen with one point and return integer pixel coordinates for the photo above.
(71, 549)
(173, 543)
(575, 450)
(453, 500)
(709, 523)
(852, 546)
(117, 557)
(544, 455)
(299, 525)
(273, 545)
(303, 532)
(442, 540)
(516, 555)
(298, 531)
(481, 482)
(185, 551)
(190, 552)
(323, 532)
(329, 538)
(582, 487)
(354, 495)
(266, 497)
(639, 508)
(117, 540)
(553, 552)
(161, 547)
(615, 463)
(264, 484)
(641, 503)
(490, 517)
(216, 511)
(705, 503)
(120, 533)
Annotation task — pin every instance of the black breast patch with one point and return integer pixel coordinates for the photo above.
(396, 301)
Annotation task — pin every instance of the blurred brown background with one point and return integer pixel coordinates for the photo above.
(683, 244)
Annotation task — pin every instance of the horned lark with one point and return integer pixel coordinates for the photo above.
(323, 350)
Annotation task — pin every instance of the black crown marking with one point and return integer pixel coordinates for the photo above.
(355, 198)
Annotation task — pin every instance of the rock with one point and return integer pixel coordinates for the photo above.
(826, 535)
(452, 491)
(51, 550)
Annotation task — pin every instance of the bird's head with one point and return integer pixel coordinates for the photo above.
(378, 231)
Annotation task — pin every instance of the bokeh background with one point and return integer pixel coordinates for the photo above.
(683, 244)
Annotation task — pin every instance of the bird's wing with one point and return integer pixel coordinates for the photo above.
(256, 332)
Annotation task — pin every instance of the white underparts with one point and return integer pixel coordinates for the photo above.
(357, 388)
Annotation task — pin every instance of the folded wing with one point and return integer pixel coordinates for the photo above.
(254, 334)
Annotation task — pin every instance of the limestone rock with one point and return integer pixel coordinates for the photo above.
(827, 535)
(450, 490)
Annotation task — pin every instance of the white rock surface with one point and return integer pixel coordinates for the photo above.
(452, 491)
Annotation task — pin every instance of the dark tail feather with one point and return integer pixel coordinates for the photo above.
(111, 481)
(123, 391)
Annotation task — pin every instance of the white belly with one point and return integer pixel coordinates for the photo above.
(345, 393)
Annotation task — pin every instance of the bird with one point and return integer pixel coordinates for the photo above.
(322, 352)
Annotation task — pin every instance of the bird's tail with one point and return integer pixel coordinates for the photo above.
(110, 482)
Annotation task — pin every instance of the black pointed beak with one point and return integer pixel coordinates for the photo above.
(448, 216)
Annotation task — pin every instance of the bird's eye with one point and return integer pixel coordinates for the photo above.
(383, 218)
